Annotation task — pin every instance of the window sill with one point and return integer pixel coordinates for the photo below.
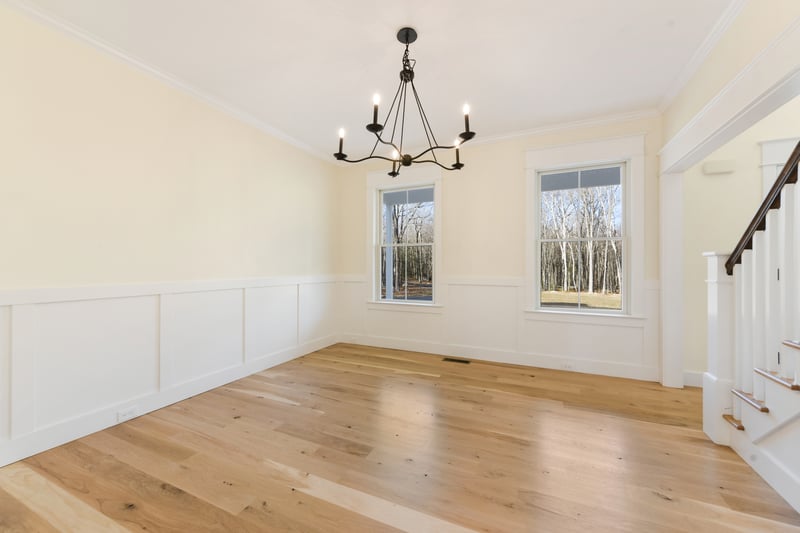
(577, 317)
(405, 307)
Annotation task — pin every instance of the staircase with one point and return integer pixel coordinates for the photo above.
(751, 391)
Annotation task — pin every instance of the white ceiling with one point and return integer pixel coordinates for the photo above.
(308, 67)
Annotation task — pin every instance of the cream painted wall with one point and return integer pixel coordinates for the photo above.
(758, 24)
(483, 205)
(716, 226)
(108, 175)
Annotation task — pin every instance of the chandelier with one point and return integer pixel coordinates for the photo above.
(393, 135)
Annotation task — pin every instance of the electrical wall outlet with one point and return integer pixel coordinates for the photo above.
(127, 414)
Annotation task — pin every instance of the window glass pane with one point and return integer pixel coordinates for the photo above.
(395, 197)
(419, 223)
(559, 214)
(407, 216)
(560, 274)
(393, 273)
(419, 272)
(559, 181)
(601, 274)
(600, 177)
(383, 273)
(391, 212)
(420, 196)
(406, 236)
(601, 203)
(400, 273)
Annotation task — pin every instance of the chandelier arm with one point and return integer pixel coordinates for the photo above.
(387, 143)
(403, 124)
(389, 113)
(369, 157)
(374, 146)
(431, 149)
(397, 113)
(436, 163)
(425, 126)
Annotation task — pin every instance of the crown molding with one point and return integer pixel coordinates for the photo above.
(701, 54)
(565, 126)
(173, 81)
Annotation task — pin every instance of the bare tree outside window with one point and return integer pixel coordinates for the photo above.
(581, 238)
(406, 250)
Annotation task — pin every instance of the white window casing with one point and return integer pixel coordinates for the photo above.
(410, 178)
(628, 151)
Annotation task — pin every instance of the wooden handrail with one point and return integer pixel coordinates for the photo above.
(771, 201)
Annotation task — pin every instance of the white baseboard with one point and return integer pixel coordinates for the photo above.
(692, 379)
(603, 368)
(85, 424)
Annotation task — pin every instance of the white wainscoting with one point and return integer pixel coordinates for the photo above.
(270, 320)
(5, 373)
(74, 361)
(485, 319)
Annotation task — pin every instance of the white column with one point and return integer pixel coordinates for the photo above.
(718, 379)
(738, 328)
(746, 310)
(671, 269)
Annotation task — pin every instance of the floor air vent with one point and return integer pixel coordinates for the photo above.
(455, 360)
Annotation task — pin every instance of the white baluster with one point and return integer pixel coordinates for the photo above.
(746, 361)
(793, 329)
(772, 297)
(758, 306)
(788, 275)
(738, 344)
(796, 367)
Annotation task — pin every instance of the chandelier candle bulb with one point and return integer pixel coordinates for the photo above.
(341, 139)
(466, 117)
(376, 100)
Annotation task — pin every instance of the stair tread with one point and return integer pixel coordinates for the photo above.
(734, 422)
(792, 344)
(750, 400)
(777, 378)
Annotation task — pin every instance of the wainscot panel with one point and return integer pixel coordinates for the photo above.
(201, 333)
(317, 311)
(77, 360)
(270, 320)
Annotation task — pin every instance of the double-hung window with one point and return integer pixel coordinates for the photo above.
(405, 251)
(581, 238)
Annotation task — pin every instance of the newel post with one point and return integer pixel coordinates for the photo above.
(718, 378)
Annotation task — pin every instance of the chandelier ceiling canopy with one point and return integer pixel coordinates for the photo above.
(390, 133)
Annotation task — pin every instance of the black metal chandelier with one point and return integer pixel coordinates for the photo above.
(397, 114)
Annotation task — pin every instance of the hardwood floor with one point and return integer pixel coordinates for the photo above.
(359, 439)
